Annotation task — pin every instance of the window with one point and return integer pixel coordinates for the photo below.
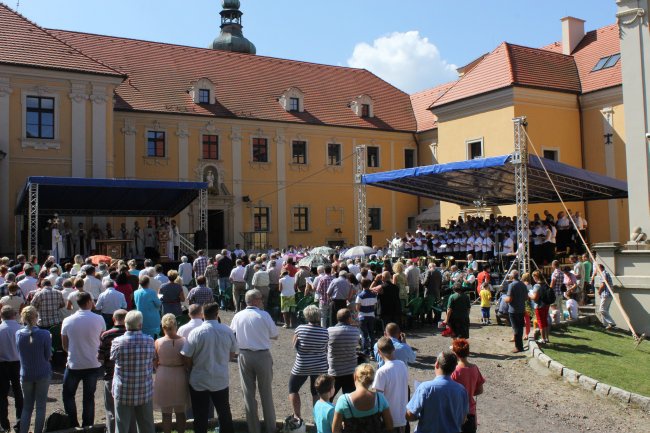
(204, 96)
(365, 110)
(607, 62)
(299, 152)
(475, 149)
(374, 218)
(550, 154)
(210, 147)
(40, 117)
(333, 154)
(409, 158)
(373, 156)
(261, 219)
(294, 104)
(260, 150)
(156, 143)
(300, 219)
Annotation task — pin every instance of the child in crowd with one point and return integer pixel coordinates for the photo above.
(554, 314)
(323, 409)
(486, 298)
(572, 307)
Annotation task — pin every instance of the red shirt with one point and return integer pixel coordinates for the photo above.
(470, 378)
(482, 276)
(291, 268)
(127, 291)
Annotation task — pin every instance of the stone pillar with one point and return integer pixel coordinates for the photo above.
(632, 18)
(78, 96)
(237, 209)
(99, 98)
(6, 206)
(183, 134)
(281, 166)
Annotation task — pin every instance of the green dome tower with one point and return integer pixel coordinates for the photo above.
(231, 37)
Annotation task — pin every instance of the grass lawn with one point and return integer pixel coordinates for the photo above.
(608, 357)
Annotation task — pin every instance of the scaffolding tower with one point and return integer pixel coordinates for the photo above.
(360, 194)
(520, 161)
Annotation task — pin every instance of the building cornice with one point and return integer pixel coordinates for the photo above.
(494, 100)
(601, 98)
(64, 76)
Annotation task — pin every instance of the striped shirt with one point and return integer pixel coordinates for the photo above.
(199, 265)
(133, 354)
(48, 302)
(321, 289)
(311, 348)
(367, 302)
(558, 276)
(200, 295)
(342, 349)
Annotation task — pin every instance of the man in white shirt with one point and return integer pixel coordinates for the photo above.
(508, 244)
(185, 271)
(153, 282)
(80, 337)
(92, 285)
(392, 379)
(239, 253)
(238, 283)
(29, 283)
(160, 275)
(109, 301)
(195, 312)
(254, 330)
(148, 265)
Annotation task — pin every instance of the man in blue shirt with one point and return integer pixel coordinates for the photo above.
(440, 405)
(403, 351)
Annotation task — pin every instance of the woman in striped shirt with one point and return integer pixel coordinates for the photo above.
(310, 341)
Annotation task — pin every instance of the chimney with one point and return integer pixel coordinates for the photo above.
(573, 30)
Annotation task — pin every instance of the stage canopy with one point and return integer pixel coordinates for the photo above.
(492, 180)
(108, 197)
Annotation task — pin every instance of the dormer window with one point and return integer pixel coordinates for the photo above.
(294, 104)
(204, 96)
(202, 91)
(292, 100)
(362, 106)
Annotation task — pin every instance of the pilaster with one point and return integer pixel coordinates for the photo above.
(610, 167)
(78, 96)
(281, 165)
(129, 130)
(183, 134)
(99, 98)
(5, 205)
(237, 209)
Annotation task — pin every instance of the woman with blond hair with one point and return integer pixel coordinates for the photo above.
(399, 279)
(362, 410)
(170, 389)
(35, 351)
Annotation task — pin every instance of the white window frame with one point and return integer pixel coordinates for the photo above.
(203, 134)
(327, 156)
(270, 217)
(381, 219)
(146, 143)
(41, 143)
(306, 152)
(357, 106)
(378, 156)
(554, 149)
(202, 83)
(293, 225)
(474, 140)
(285, 99)
(268, 148)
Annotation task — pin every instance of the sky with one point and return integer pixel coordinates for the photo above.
(413, 44)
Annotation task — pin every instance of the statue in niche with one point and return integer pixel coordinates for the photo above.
(211, 180)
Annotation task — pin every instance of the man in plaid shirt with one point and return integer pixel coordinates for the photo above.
(133, 354)
(48, 302)
(557, 279)
(201, 294)
(200, 264)
(324, 282)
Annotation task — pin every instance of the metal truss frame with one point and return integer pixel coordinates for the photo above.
(203, 214)
(360, 194)
(520, 162)
(32, 220)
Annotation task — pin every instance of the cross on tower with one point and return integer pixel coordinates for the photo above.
(608, 138)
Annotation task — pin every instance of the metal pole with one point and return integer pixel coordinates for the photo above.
(32, 216)
(520, 161)
(360, 194)
(203, 214)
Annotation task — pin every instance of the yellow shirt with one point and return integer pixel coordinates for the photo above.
(486, 297)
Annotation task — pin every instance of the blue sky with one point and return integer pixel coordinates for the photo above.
(413, 44)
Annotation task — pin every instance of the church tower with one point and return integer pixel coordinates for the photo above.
(231, 37)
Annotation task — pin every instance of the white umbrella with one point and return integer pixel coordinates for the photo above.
(358, 251)
(325, 251)
(314, 261)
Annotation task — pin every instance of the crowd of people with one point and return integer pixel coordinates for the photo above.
(121, 322)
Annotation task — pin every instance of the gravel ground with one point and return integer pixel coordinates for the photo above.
(518, 397)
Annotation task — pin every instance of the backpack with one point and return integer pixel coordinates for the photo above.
(58, 420)
(547, 295)
(367, 424)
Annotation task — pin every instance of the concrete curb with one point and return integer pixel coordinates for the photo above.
(576, 378)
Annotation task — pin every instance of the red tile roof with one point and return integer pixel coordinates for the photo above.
(421, 101)
(511, 65)
(595, 45)
(245, 86)
(26, 44)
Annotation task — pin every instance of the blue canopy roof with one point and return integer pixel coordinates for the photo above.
(492, 180)
(103, 197)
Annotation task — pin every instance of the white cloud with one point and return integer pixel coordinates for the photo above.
(407, 60)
